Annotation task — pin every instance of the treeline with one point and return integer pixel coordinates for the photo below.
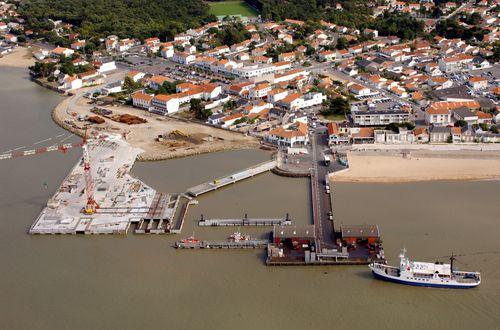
(125, 18)
(401, 25)
(451, 29)
(354, 14)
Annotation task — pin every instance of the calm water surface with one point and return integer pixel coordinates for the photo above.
(137, 282)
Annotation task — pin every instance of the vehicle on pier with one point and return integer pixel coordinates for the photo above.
(425, 274)
(326, 160)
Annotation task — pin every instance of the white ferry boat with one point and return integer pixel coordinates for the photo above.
(425, 274)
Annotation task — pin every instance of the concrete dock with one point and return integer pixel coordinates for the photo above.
(229, 179)
(123, 200)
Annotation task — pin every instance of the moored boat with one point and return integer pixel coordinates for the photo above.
(427, 274)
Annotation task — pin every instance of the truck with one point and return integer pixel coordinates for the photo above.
(326, 159)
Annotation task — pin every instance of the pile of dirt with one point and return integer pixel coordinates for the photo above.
(95, 119)
(129, 119)
(179, 139)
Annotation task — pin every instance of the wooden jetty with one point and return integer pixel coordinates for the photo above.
(244, 222)
(232, 178)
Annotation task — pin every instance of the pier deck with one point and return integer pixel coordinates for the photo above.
(244, 222)
(251, 244)
(232, 178)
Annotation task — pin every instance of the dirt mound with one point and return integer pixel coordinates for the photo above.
(129, 119)
(96, 119)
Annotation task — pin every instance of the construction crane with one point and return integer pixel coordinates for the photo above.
(91, 205)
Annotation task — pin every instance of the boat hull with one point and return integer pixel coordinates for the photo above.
(427, 284)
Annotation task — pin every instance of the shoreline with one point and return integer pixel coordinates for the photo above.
(366, 166)
(151, 149)
(419, 167)
(19, 58)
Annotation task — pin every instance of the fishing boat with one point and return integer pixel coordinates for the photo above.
(428, 274)
(190, 242)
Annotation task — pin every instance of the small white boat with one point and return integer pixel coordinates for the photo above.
(425, 274)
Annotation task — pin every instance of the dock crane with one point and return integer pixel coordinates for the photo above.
(91, 205)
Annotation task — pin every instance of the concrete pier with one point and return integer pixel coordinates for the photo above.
(250, 244)
(244, 222)
(123, 200)
(232, 178)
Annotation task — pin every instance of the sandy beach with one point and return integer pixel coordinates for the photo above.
(421, 167)
(19, 58)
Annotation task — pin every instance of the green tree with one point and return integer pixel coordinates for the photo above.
(199, 111)
(131, 18)
(460, 123)
(336, 106)
(496, 51)
(229, 105)
(168, 87)
(342, 43)
(41, 69)
(130, 85)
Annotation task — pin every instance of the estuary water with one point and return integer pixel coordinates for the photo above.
(140, 282)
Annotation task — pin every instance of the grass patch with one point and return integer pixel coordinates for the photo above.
(225, 8)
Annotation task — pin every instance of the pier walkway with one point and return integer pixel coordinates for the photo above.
(244, 222)
(224, 181)
(250, 244)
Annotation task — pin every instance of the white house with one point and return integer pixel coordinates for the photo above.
(297, 101)
(103, 67)
(358, 89)
(290, 135)
(164, 104)
(71, 83)
(114, 87)
(260, 90)
(142, 100)
(136, 75)
(327, 55)
(461, 62)
(184, 58)
(62, 52)
(167, 50)
(276, 95)
(230, 119)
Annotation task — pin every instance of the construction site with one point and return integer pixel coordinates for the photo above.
(99, 196)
